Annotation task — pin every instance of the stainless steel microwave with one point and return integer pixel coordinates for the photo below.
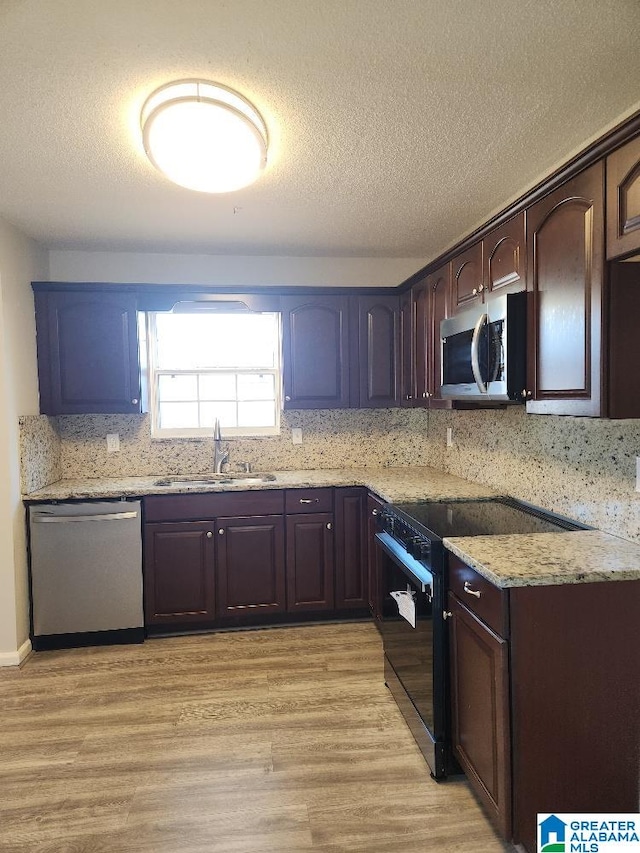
(484, 351)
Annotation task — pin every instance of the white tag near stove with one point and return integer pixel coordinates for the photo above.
(406, 605)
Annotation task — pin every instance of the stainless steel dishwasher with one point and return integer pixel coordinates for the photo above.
(86, 573)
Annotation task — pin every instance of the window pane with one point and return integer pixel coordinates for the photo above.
(198, 341)
(218, 387)
(176, 415)
(256, 386)
(256, 414)
(177, 388)
(226, 412)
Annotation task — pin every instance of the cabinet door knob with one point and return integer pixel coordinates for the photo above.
(287, 398)
(475, 291)
(135, 401)
(446, 614)
(329, 525)
(481, 288)
(221, 531)
(209, 534)
(375, 512)
(469, 591)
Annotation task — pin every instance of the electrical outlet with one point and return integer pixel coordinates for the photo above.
(113, 442)
(637, 473)
(449, 436)
(296, 435)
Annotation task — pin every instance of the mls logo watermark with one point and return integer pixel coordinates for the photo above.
(588, 833)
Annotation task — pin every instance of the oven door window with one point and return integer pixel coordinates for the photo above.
(410, 650)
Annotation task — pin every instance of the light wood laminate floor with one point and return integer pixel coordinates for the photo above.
(272, 740)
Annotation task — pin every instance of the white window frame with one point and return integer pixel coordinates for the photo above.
(206, 432)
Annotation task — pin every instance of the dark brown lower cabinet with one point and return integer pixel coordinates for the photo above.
(310, 563)
(556, 680)
(480, 710)
(250, 567)
(179, 576)
(374, 508)
(351, 549)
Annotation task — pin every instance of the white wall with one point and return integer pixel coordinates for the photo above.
(21, 261)
(229, 270)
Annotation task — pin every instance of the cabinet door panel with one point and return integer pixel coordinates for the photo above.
(379, 344)
(467, 277)
(623, 200)
(504, 257)
(480, 711)
(250, 560)
(88, 357)
(310, 562)
(438, 284)
(351, 549)
(179, 573)
(374, 507)
(565, 262)
(315, 352)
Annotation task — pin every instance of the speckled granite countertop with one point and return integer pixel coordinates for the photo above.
(549, 559)
(538, 559)
(392, 484)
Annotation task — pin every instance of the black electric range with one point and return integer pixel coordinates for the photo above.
(412, 562)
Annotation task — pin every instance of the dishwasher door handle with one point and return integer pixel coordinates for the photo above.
(65, 519)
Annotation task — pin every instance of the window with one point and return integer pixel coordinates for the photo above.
(204, 366)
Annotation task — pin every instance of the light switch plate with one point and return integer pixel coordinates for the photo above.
(296, 435)
(113, 442)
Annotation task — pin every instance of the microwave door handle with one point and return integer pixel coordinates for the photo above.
(475, 346)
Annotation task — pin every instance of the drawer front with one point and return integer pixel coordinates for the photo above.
(308, 500)
(205, 505)
(480, 596)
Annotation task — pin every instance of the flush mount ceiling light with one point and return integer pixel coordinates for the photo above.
(204, 136)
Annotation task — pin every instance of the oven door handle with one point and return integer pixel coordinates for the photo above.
(414, 570)
(475, 348)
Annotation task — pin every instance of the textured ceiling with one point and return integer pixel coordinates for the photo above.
(396, 125)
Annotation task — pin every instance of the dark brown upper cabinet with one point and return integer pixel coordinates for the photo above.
(623, 200)
(565, 242)
(407, 350)
(432, 304)
(88, 355)
(466, 277)
(315, 343)
(504, 257)
(378, 337)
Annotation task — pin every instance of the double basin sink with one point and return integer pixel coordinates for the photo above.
(215, 480)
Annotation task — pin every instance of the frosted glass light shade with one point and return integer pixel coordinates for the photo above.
(204, 136)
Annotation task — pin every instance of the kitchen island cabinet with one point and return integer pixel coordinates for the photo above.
(559, 667)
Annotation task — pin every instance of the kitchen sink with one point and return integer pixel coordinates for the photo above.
(215, 480)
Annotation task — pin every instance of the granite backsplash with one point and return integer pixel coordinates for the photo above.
(580, 467)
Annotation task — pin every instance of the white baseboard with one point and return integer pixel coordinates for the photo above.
(16, 658)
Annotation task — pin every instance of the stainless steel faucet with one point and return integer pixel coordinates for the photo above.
(220, 456)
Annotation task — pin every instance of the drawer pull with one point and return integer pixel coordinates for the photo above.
(309, 501)
(469, 591)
